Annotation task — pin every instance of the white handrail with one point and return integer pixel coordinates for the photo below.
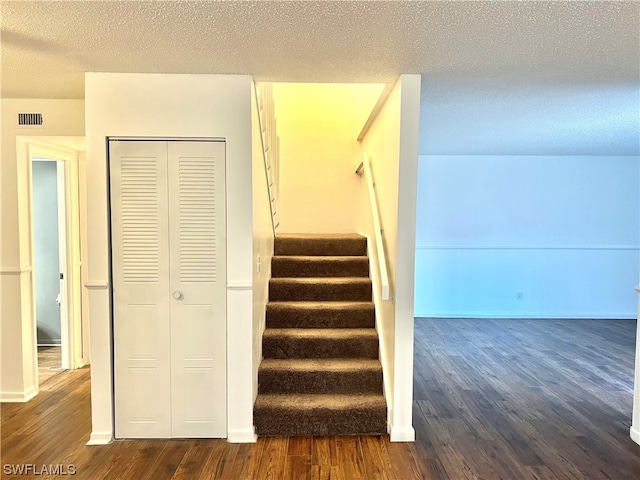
(363, 167)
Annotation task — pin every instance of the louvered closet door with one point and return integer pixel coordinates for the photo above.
(198, 286)
(185, 360)
(140, 271)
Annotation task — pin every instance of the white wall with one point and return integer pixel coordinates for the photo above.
(318, 126)
(392, 145)
(18, 370)
(157, 105)
(562, 230)
(522, 115)
(262, 242)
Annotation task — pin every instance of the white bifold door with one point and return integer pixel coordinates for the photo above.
(169, 288)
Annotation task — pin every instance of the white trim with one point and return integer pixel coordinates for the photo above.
(100, 438)
(634, 433)
(242, 436)
(637, 288)
(65, 263)
(528, 247)
(47, 148)
(382, 344)
(99, 285)
(239, 286)
(10, 271)
(19, 397)
(28, 150)
(406, 434)
(15, 270)
(166, 139)
(384, 94)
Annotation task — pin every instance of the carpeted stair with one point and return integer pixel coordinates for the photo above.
(320, 374)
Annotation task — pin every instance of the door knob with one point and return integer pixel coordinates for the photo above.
(177, 295)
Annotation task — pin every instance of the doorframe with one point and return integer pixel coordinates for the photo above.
(72, 344)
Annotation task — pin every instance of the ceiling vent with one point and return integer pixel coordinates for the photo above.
(30, 119)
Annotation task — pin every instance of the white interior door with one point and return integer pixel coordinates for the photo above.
(168, 259)
(140, 256)
(197, 241)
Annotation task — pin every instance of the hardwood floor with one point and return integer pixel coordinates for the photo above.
(49, 363)
(494, 399)
(517, 399)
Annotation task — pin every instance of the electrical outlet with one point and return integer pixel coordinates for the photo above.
(519, 296)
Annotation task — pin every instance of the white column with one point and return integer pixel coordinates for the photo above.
(635, 419)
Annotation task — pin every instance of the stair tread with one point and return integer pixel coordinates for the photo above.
(320, 288)
(321, 364)
(315, 401)
(312, 280)
(320, 244)
(319, 305)
(324, 258)
(320, 314)
(320, 236)
(327, 333)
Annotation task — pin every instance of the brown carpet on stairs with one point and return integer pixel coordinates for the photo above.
(321, 374)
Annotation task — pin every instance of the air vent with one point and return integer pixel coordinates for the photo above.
(30, 119)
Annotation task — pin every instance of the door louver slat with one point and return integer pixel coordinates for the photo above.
(140, 242)
(196, 186)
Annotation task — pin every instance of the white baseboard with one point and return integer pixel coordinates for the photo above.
(242, 436)
(405, 434)
(19, 397)
(635, 434)
(100, 438)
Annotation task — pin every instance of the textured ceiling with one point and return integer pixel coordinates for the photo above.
(512, 51)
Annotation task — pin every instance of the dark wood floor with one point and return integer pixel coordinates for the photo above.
(494, 399)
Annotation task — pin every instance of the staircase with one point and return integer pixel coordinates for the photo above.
(320, 374)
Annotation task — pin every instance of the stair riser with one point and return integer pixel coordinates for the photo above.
(320, 246)
(301, 318)
(286, 381)
(277, 347)
(273, 421)
(319, 292)
(293, 267)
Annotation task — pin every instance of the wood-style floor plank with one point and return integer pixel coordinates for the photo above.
(273, 461)
(350, 461)
(376, 458)
(49, 363)
(493, 399)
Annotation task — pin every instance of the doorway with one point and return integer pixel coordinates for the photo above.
(65, 159)
(49, 229)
